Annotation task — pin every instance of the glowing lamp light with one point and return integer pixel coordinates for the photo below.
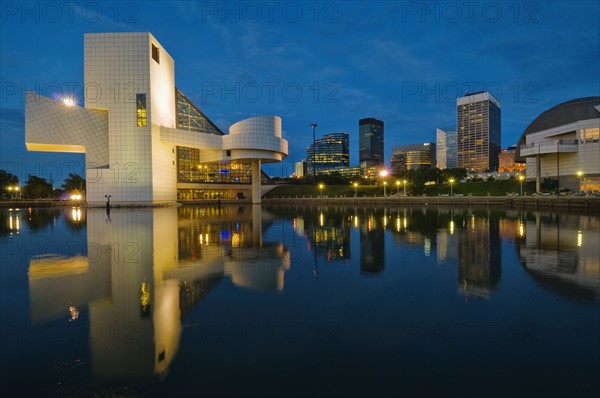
(69, 101)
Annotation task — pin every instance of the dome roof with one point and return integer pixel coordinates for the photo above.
(561, 114)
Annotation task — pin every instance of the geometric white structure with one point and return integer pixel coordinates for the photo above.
(130, 128)
(562, 141)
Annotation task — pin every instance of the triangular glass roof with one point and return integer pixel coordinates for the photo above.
(190, 117)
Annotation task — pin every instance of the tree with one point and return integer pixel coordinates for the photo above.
(74, 182)
(37, 187)
(7, 180)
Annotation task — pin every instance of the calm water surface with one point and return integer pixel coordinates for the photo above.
(321, 301)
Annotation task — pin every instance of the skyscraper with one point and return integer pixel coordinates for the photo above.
(446, 148)
(330, 152)
(370, 132)
(478, 131)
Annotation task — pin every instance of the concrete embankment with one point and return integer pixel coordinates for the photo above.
(588, 204)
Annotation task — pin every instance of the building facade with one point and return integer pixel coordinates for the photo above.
(562, 142)
(155, 145)
(446, 148)
(506, 161)
(413, 157)
(370, 132)
(330, 152)
(478, 132)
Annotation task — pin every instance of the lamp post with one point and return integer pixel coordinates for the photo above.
(314, 127)
(404, 181)
(321, 186)
(580, 175)
(397, 187)
(355, 186)
(521, 178)
(383, 173)
(451, 181)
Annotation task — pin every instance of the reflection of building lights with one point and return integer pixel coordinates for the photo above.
(579, 239)
(473, 222)
(384, 222)
(451, 227)
(521, 229)
(356, 222)
(321, 219)
(235, 239)
(74, 312)
(76, 214)
(405, 222)
(145, 297)
(398, 224)
(427, 247)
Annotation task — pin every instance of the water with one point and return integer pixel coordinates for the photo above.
(322, 301)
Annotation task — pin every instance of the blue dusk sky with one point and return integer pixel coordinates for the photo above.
(332, 63)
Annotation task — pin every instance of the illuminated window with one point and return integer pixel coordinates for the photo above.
(155, 54)
(590, 134)
(141, 112)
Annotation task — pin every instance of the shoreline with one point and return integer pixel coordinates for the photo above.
(543, 203)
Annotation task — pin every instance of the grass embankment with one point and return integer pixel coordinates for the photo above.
(480, 188)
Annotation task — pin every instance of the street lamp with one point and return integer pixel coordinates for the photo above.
(355, 186)
(521, 178)
(580, 175)
(404, 181)
(314, 127)
(321, 186)
(383, 173)
(397, 187)
(451, 181)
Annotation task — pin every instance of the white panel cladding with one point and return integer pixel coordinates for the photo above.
(52, 125)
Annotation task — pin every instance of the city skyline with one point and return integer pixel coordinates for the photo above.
(376, 73)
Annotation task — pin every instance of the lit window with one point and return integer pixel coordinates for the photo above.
(141, 111)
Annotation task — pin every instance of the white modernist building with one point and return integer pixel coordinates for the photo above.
(563, 145)
(146, 142)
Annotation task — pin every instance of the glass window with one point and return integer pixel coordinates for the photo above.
(141, 111)
(156, 54)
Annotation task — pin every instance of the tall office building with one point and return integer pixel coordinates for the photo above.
(446, 140)
(370, 131)
(478, 131)
(330, 152)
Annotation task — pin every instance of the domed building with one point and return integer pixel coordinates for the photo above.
(562, 146)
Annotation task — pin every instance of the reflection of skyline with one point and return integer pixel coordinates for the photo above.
(136, 285)
(561, 253)
(479, 255)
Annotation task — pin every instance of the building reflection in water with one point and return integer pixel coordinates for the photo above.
(372, 243)
(562, 253)
(144, 269)
(479, 255)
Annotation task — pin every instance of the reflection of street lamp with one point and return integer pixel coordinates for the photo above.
(580, 175)
(451, 181)
(404, 182)
(321, 186)
(397, 187)
(355, 186)
(521, 178)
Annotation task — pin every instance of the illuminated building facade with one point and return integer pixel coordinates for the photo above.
(446, 148)
(561, 142)
(370, 132)
(413, 157)
(478, 132)
(330, 152)
(154, 145)
(506, 161)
